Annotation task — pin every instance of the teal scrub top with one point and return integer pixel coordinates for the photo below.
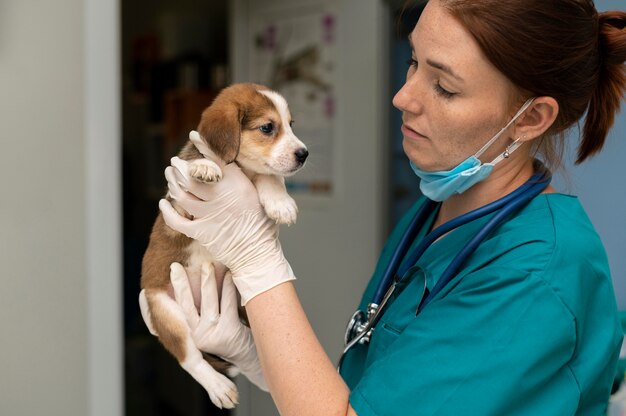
(528, 327)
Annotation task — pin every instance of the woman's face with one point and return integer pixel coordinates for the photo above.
(453, 100)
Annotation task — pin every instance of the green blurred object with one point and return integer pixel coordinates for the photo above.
(620, 374)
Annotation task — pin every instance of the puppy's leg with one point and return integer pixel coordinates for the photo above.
(274, 198)
(171, 326)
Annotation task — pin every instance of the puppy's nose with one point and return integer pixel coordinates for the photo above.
(301, 155)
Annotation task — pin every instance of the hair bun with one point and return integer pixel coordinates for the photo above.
(613, 36)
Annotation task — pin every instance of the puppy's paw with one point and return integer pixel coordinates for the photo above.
(283, 210)
(223, 392)
(233, 371)
(205, 170)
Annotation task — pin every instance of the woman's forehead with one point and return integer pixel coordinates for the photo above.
(441, 37)
(438, 32)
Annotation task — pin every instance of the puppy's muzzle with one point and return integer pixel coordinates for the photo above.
(301, 155)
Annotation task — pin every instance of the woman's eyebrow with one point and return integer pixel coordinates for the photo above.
(444, 68)
(438, 65)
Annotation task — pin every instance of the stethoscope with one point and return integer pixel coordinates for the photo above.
(362, 323)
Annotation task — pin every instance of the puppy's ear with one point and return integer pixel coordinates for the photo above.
(220, 126)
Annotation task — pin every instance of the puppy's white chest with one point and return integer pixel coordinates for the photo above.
(198, 255)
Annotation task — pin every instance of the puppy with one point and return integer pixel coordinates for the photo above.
(251, 125)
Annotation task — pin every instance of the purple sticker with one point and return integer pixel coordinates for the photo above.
(270, 37)
(328, 26)
(329, 106)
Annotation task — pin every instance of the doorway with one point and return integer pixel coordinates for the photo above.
(174, 60)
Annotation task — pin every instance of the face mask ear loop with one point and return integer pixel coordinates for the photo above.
(507, 152)
(490, 142)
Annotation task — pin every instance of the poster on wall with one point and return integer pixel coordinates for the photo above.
(293, 52)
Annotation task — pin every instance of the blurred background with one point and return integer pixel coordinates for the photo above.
(98, 95)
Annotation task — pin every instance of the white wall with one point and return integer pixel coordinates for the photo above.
(42, 213)
(45, 315)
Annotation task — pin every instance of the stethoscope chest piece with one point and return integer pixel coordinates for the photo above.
(361, 325)
(356, 326)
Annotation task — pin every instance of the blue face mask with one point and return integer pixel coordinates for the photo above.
(441, 185)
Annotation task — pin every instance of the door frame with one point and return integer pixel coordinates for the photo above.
(103, 197)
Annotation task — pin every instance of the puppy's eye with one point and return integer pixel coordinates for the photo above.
(291, 123)
(267, 128)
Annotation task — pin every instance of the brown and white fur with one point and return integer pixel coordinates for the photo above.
(251, 125)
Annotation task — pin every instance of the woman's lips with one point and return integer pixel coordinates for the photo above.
(412, 134)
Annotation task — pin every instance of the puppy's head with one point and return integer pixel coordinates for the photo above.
(251, 124)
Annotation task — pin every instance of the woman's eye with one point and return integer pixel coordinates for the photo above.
(443, 92)
(267, 128)
(411, 62)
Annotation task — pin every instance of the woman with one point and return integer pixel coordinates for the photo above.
(529, 324)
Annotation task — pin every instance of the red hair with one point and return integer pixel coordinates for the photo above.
(558, 48)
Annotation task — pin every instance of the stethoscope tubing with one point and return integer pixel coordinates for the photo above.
(390, 271)
(393, 271)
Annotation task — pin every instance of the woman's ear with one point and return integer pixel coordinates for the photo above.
(537, 119)
(220, 127)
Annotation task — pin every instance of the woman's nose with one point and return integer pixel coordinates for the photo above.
(408, 98)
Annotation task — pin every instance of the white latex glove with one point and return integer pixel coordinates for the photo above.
(217, 329)
(231, 223)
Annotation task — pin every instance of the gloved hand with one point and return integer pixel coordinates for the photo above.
(231, 223)
(217, 329)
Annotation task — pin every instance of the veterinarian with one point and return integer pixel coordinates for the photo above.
(528, 323)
